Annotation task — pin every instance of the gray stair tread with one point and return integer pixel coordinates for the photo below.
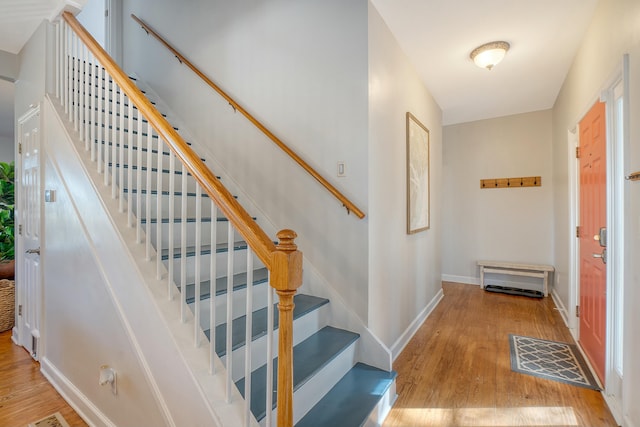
(260, 275)
(204, 250)
(309, 357)
(303, 304)
(351, 400)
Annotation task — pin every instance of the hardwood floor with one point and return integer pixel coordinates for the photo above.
(456, 370)
(25, 394)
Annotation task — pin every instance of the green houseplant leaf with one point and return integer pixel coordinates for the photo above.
(7, 201)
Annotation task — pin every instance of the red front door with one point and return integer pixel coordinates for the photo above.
(593, 216)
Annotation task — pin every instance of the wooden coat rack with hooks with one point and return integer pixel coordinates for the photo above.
(520, 182)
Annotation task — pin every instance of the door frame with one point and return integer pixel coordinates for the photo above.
(616, 148)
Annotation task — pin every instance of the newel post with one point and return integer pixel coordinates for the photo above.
(286, 278)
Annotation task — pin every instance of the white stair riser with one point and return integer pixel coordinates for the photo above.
(303, 328)
(239, 265)
(221, 233)
(165, 204)
(239, 305)
(380, 412)
(165, 180)
(317, 386)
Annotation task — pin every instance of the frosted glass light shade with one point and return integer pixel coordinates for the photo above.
(489, 54)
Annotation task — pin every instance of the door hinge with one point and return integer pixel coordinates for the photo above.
(577, 311)
(19, 147)
(20, 310)
(578, 231)
(577, 152)
(20, 229)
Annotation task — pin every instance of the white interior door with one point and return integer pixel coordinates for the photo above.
(28, 214)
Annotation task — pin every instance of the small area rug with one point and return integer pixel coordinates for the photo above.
(551, 360)
(53, 420)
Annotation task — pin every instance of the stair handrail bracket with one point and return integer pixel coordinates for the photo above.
(344, 201)
(283, 261)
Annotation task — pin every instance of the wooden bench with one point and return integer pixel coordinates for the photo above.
(540, 271)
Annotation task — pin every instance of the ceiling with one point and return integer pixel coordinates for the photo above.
(437, 36)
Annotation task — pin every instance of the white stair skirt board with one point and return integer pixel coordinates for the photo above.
(406, 336)
(303, 328)
(317, 386)
(467, 280)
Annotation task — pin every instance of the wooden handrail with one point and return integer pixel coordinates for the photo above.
(348, 204)
(284, 261)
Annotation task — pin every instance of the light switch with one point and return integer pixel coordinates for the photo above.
(49, 195)
(342, 171)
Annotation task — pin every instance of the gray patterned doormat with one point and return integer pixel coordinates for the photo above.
(551, 360)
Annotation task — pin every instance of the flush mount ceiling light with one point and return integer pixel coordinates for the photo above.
(489, 54)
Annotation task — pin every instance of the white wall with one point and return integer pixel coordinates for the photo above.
(83, 330)
(300, 68)
(615, 30)
(404, 270)
(501, 224)
(631, 388)
(6, 149)
(93, 19)
(30, 85)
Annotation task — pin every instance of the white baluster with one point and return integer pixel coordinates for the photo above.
(248, 338)
(198, 261)
(148, 188)
(58, 27)
(270, 333)
(159, 208)
(67, 72)
(101, 134)
(121, 140)
(108, 122)
(183, 247)
(229, 343)
(114, 140)
(172, 218)
(140, 140)
(93, 95)
(130, 169)
(212, 289)
(81, 91)
(76, 77)
(84, 129)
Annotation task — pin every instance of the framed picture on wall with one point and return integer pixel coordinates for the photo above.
(418, 217)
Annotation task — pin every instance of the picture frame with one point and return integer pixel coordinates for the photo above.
(418, 176)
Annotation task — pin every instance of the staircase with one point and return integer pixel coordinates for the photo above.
(214, 274)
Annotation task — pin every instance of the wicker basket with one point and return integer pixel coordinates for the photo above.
(7, 304)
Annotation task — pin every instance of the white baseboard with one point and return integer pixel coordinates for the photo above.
(461, 279)
(406, 336)
(628, 422)
(561, 308)
(74, 397)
